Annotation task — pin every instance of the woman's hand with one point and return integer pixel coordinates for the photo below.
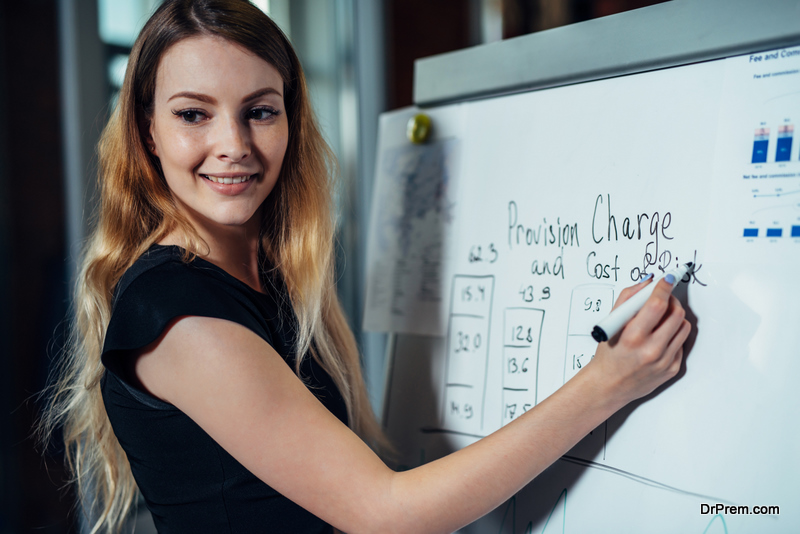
(648, 351)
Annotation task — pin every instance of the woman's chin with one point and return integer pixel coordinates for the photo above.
(230, 221)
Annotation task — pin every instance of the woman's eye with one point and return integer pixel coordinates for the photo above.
(261, 114)
(189, 115)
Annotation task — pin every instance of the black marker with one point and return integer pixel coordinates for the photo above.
(618, 318)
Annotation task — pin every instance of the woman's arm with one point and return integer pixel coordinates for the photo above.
(240, 391)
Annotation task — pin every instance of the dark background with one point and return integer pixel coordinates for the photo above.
(34, 292)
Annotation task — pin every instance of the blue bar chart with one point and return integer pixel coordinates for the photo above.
(751, 232)
(774, 232)
(772, 181)
(771, 233)
(784, 144)
(760, 145)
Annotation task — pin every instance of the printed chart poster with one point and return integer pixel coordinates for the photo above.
(411, 215)
(756, 207)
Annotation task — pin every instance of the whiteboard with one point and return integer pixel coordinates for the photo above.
(494, 248)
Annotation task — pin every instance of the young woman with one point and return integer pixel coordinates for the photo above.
(213, 370)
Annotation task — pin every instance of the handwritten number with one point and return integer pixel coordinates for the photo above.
(512, 366)
(592, 305)
(511, 409)
(476, 254)
(518, 333)
(466, 344)
(515, 368)
(576, 360)
(464, 411)
(527, 293)
(470, 293)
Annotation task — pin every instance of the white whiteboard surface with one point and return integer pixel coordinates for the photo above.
(549, 203)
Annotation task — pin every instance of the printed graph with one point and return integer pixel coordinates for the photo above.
(760, 145)
(784, 150)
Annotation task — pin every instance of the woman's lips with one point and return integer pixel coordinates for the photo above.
(230, 185)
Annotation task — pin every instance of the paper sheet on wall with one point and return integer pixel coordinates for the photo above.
(412, 211)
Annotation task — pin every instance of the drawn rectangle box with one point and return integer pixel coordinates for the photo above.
(589, 304)
(462, 409)
(522, 331)
(519, 367)
(580, 351)
(472, 295)
(467, 352)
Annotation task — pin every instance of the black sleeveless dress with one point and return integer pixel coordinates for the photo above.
(189, 482)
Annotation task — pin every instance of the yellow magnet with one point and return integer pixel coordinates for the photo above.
(419, 128)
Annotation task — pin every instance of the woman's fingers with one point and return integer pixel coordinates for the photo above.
(662, 347)
(674, 350)
(654, 316)
(671, 322)
(628, 292)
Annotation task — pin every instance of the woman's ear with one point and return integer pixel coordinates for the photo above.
(146, 129)
(151, 144)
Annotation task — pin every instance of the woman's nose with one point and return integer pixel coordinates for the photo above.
(233, 143)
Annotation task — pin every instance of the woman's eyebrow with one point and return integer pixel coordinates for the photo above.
(194, 96)
(262, 92)
(211, 100)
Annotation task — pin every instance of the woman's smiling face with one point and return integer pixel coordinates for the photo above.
(219, 129)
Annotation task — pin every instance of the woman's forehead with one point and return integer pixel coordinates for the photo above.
(208, 63)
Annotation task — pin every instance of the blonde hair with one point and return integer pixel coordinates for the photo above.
(136, 210)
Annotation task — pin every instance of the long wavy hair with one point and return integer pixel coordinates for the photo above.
(137, 210)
